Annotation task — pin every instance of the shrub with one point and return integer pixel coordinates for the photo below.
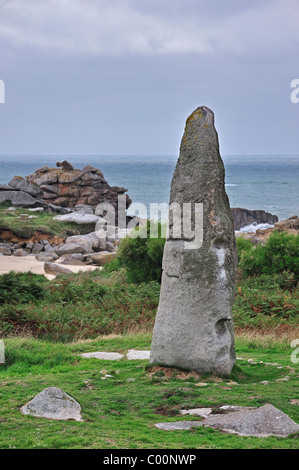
(243, 245)
(21, 287)
(142, 255)
(280, 253)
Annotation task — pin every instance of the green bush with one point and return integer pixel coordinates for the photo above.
(142, 255)
(21, 287)
(243, 245)
(280, 253)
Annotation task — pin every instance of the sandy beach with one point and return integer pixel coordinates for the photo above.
(29, 263)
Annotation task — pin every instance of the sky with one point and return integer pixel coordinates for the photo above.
(120, 77)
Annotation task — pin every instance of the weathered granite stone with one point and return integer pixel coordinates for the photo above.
(19, 183)
(133, 354)
(53, 403)
(83, 246)
(179, 425)
(100, 259)
(194, 325)
(56, 269)
(107, 356)
(263, 422)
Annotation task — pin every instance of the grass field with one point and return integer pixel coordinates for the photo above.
(121, 414)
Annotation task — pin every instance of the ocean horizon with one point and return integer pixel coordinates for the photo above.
(264, 182)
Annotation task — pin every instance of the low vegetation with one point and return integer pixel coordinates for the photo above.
(21, 226)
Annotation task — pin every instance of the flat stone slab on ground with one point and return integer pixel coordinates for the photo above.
(109, 356)
(136, 354)
(53, 403)
(179, 425)
(262, 422)
(203, 412)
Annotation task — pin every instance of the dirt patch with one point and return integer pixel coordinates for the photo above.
(172, 372)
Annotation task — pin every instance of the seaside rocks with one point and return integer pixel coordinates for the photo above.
(194, 326)
(65, 165)
(68, 187)
(5, 249)
(244, 217)
(21, 184)
(53, 403)
(56, 269)
(21, 199)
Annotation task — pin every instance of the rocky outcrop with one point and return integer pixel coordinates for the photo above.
(71, 187)
(244, 217)
(194, 326)
(290, 226)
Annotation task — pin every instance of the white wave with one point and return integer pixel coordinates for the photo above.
(230, 184)
(254, 227)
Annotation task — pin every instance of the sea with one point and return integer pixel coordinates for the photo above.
(266, 182)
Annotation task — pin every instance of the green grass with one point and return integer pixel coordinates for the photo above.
(43, 223)
(121, 415)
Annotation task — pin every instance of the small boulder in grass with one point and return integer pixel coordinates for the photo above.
(53, 403)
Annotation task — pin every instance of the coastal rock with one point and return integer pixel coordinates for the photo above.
(83, 246)
(5, 249)
(78, 218)
(20, 252)
(65, 165)
(244, 217)
(97, 243)
(69, 187)
(19, 183)
(56, 269)
(53, 403)
(290, 226)
(194, 325)
(100, 259)
(20, 199)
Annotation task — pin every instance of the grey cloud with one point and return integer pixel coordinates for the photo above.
(115, 27)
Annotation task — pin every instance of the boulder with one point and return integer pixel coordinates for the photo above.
(5, 249)
(97, 243)
(262, 422)
(83, 246)
(100, 259)
(56, 269)
(20, 252)
(78, 218)
(46, 257)
(77, 256)
(21, 199)
(19, 183)
(194, 325)
(65, 165)
(53, 403)
(73, 262)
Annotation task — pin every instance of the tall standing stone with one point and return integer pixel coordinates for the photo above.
(194, 325)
